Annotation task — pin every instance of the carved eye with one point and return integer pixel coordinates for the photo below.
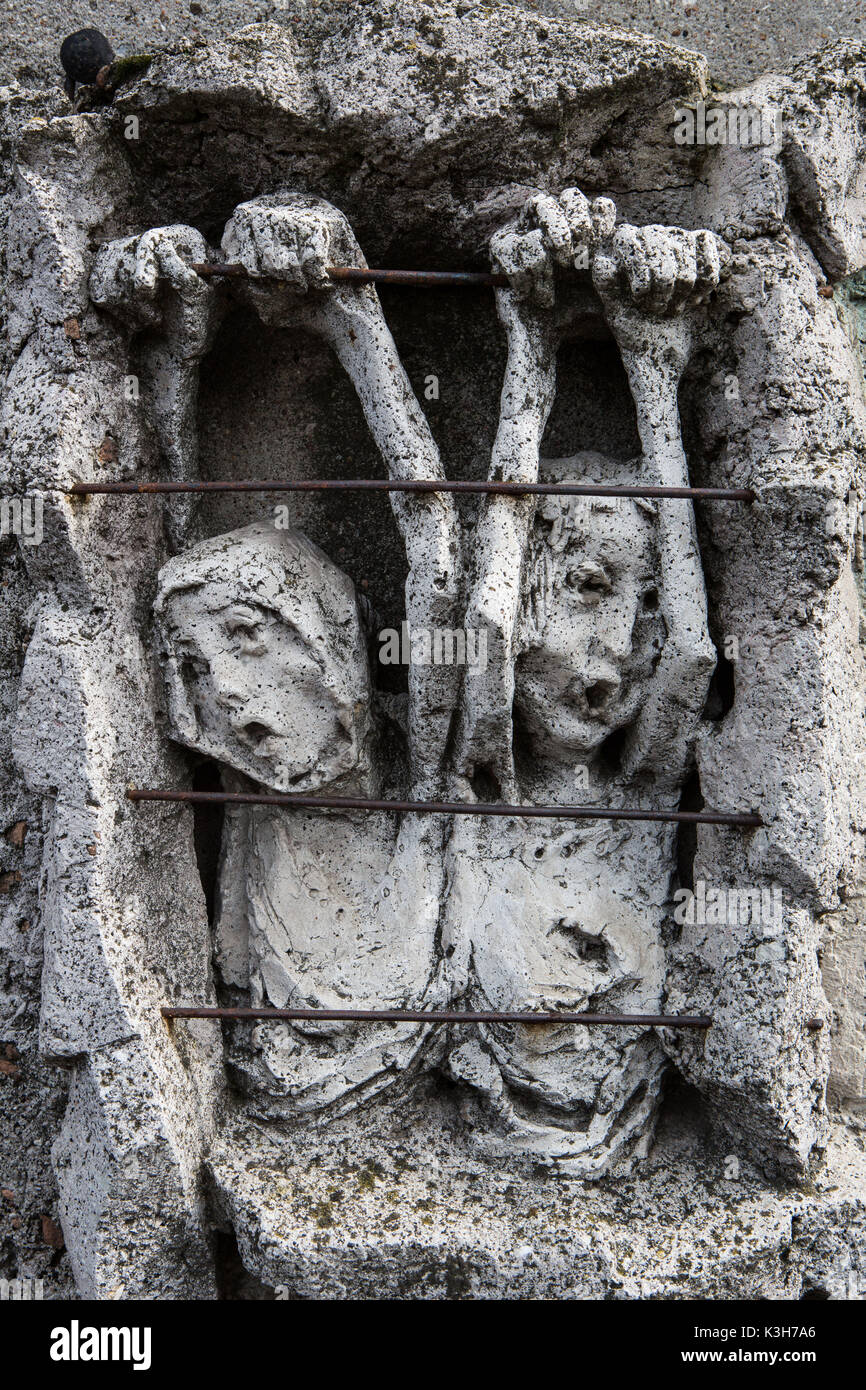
(651, 600)
(247, 636)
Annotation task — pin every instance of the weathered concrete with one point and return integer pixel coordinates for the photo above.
(683, 333)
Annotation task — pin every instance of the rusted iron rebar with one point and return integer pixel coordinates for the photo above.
(447, 1016)
(713, 494)
(362, 275)
(444, 808)
(438, 1016)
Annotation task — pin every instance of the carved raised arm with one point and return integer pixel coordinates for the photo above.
(295, 238)
(548, 233)
(148, 278)
(649, 280)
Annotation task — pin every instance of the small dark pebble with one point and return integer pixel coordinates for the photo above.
(83, 54)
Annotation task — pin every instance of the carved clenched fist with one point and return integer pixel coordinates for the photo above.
(551, 232)
(292, 238)
(661, 270)
(130, 270)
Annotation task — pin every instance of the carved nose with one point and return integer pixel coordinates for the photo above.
(618, 636)
(233, 687)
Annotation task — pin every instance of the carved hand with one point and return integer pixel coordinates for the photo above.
(648, 279)
(550, 232)
(131, 272)
(664, 270)
(655, 270)
(292, 238)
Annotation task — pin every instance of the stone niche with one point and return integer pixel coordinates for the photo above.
(671, 314)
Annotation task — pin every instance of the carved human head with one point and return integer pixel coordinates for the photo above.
(591, 630)
(265, 660)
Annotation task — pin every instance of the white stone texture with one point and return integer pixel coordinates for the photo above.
(431, 139)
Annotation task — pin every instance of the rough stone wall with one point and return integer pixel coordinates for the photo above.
(87, 663)
(78, 184)
(35, 1094)
(740, 40)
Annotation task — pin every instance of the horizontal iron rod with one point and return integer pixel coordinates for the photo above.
(719, 494)
(361, 275)
(453, 1016)
(443, 808)
(442, 1016)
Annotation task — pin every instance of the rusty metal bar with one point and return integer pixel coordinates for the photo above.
(358, 275)
(444, 808)
(714, 494)
(442, 1016)
(452, 1016)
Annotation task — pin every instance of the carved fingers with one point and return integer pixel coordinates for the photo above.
(292, 238)
(550, 232)
(131, 270)
(591, 224)
(655, 270)
(662, 270)
(166, 255)
(130, 274)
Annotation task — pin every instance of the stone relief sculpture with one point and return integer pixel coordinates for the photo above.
(165, 635)
(322, 911)
(268, 669)
(562, 916)
(597, 646)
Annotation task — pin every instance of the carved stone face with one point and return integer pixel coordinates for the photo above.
(592, 632)
(268, 669)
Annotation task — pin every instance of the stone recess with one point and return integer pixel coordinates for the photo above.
(428, 129)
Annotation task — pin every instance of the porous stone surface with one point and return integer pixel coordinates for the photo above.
(699, 1223)
(741, 39)
(666, 319)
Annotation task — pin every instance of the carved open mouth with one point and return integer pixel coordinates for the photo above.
(599, 696)
(599, 700)
(257, 734)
